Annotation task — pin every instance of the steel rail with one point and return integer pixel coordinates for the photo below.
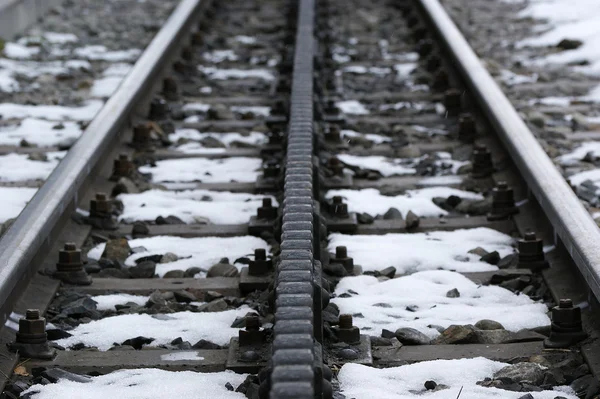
(294, 352)
(34, 227)
(571, 222)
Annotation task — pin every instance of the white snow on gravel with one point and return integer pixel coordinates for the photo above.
(406, 382)
(511, 79)
(256, 110)
(39, 132)
(85, 112)
(352, 107)
(218, 56)
(102, 53)
(109, 301)
(425, 294)
(19, 51)
(13, 200)
(579, 153)
(375, 138)
(138, 383)
(202, 252)
(361, 70)
(105, 87)
(404, 70)
(60, 38)
(17, 167)
(578, 178)
(234, 73)
(244, 39)
(445, 250)
(385, 166)
(252, 138)
(440, 180)
(419, 201)
(164, 328)
(178, 356)
(222, 207)
(240, 169)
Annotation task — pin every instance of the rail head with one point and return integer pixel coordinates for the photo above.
(572, 223)
(34, 226)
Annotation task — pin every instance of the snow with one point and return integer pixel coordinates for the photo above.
(39, 132)
(512, 79)
(190, 326)
(557, 101)
(60, 38)
(17, 167)
(234, 73)
(252, 138)
(179, 356)
(579, 153)
(109, 301)
(420, 201)
(440, 180)
(19, 51)
(385, 166)
(240, 169)
(195, 107)
(13, 200)
(404, 70)
(117, 69)
(221, 207)
(138, 383)
(413, 105)
(352, 107)
(256, 110)
(105, 87)
(578, 178)
(361, 70)
(572, 20)
(101, 53)
(446, 250)
(425, 294)
(200, 252)
(375, 138)
(406, 382)
(245, 39)
(51, 112)
(217, 56)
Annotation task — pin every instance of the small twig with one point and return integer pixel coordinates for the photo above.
(459, 392)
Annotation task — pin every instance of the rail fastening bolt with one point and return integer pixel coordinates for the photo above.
(482, 162)
(346, 331)
(566, 329)
(531, 252)
(467, 128)
(267, 211)
(122, 167)
(503, 202)
(100, 206)
(338, 207)
(341, 256)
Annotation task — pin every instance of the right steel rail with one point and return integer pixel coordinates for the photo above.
(571, 222)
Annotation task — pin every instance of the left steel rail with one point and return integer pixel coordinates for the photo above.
(34, 230)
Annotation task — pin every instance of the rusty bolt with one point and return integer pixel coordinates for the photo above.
(467, 129)
(267, 210)
(452, 101)
(441, 81)
(159, 109)
(341, 256)
(122, 167)
(531, 252)
(252, 335)
(141, 134)
(346, 331)
(100, 206)
(482, 162)
(187, 53)
(32, 328)
(260, 265)
(333, 134)
(566, 328)
(69, 259)
(503, 202)
(338, 207)
(335, 166)
(424, 47)
(197, 38)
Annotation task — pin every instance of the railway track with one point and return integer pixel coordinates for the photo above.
(287, 199)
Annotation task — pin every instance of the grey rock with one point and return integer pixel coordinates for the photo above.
(211, 142)
(125, 186)
(138, 342)
(492, 258)
(439, 329)
(456, 334)
(486, 324)
(509, 261)
(168, 220)
(218, 305)
(139, 228)
(412, 220)
(81, 307)
(478, 251)
(569, 44)
(156, 298)
(174, 274)
(117, 250)
(121, 348)
(222, 270)
(335, 269)
(388, 272)
(491, 336)
(145, 269)
(203, 344)
(364, 218)
(531, 373)
(184, 296)
(114, 273)
(392, 214)
(210, 296)
(453, 293)
(348, 354)
(380, 341)
(192, 271)
(411, 336)
(54, 374)
(169, 257)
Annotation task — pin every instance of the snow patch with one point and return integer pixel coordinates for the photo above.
(13, 200)
(238, 169)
